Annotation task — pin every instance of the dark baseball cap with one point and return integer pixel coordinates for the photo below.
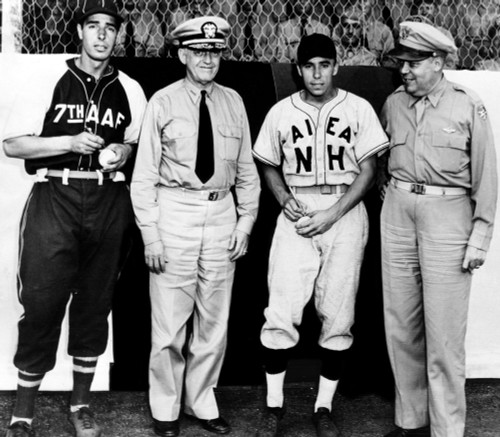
(91, 7)
(315, 45)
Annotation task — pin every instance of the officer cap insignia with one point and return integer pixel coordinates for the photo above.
(209, 29)
(404, 33)
(481, 111)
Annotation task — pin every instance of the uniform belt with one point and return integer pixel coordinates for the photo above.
(66, 174)
(322, 189)
(428, 189)
(198, 194)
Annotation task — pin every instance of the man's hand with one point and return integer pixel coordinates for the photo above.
(155, 257)
(122, 153)
(238, 245)
(294, 209)
(86, 143)
(317, 222)
(474, 258)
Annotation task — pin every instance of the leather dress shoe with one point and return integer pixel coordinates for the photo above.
(166, 428)
(269, 422)
(217, 426)
(20, 429)
(324, 424)
(416, 432)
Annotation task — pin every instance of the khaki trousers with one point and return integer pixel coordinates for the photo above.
(197, 282)
(426, 299)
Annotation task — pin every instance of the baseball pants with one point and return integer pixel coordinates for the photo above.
(326, 265)
(198, 282)
(426, 298)
(73, 241)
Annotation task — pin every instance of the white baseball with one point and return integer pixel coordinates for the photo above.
(105, 156)
(303, 219)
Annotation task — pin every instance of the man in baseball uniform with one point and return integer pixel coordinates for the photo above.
(76, 223)
(325, 140)
(194, 147)
(436, 226)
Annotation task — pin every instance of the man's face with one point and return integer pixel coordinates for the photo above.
(98, 35)
(419, 77)
(367, 6)
(352, 34)
(317, 74)
(427, 10)
(201, 65)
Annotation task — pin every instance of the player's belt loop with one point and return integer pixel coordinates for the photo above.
(65, 176)
(100, 177)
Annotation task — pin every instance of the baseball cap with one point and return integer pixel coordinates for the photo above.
(208, 32)
(91, 7)
(315, 45)
(419, 40)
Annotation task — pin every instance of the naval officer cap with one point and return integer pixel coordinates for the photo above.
(418, 40)
(202, 33)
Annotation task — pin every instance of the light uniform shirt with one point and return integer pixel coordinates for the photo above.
(452, 145)
(168, 148)
(320, 146)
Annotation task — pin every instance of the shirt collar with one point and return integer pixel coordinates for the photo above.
(433, 96)
(194, 92)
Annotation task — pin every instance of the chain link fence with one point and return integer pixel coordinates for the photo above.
(269, 30)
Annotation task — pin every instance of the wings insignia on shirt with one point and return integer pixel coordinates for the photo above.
(481, 111)
(449, 130)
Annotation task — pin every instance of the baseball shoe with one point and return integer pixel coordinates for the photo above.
(270, 421)
(217, 426)
(20, 429)
(323, 422)
(166, 428)
(417, 432)
(84, 423)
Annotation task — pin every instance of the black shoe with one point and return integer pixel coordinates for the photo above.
(20, 429)
(269, 423)
(417, 432)
(166, 428)
(323, 422)
(218, 426)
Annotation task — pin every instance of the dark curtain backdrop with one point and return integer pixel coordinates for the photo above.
(260, 86)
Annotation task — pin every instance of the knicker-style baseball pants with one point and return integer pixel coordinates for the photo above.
(426, 298)
(197, 281)
(327, 265)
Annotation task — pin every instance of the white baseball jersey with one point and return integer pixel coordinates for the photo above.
(320, 146)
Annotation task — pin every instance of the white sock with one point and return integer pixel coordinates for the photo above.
(75, 408)
(275, 389)
(21, 419)
(326, 391)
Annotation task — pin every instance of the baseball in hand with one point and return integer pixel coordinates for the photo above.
(303, 220)
(105, 156)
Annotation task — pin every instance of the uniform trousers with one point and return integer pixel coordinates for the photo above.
(197, 282)
(426, 299)
(326, 265)
(73, 241)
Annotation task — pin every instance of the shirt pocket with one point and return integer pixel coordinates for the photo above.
(231, 139)
(399, 153)
(450, 151)
(179, 140)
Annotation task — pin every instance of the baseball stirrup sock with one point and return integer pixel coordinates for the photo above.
(27, 389)
(332, 363)
(83, 375)
(326, 391)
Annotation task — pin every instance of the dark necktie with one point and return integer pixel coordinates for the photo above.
(129, 40)
(249, 47)
(205, 156)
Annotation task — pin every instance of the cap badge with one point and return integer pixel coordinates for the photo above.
(209, 29)
(404, 33)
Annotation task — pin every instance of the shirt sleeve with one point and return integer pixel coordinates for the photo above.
(146, 175)
(371, 137)
(267, 148)
(137, 102)
(483, 178)
(247, 184)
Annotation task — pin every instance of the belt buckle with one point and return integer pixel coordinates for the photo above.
(418, 188)
(326, 189)
(213, 195)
